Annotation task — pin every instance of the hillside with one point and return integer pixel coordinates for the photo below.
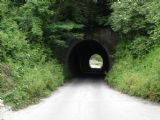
(136, 70)
(34, 36)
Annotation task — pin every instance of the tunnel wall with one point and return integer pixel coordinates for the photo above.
(104, 36)
(80, 54)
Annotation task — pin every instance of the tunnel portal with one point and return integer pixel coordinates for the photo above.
(80, 54)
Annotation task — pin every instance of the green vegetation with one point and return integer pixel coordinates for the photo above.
(33, 33)
(137, 61)
(28, 70)
(97, 57)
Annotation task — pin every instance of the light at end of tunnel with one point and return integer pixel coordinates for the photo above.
(96, 61)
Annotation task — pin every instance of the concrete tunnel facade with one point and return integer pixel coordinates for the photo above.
(99, 41)
(80, 54)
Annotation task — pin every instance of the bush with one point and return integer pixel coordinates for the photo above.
(129, 17)
(6, 85)
(139, 77)
(139, 20)
(12, 40)
(27, 70)
(34, 83)
(141, 46)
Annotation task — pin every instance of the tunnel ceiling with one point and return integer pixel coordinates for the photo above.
(79, 56)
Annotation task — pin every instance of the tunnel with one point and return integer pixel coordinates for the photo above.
(79, 56)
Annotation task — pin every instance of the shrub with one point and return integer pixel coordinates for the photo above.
(128, 17)
(34, 83)
(142, 46)
(139, 77)
(139, 20)
(12, 40)
(27, 70)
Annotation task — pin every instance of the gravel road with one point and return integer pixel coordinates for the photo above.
(88, 99)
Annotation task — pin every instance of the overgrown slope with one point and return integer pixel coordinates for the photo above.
(28, 70)
(137, 61)
(139, 77)
(33, 38)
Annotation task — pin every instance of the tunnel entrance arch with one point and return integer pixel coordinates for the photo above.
(79, 55)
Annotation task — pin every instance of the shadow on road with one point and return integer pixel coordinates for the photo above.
(94, 80)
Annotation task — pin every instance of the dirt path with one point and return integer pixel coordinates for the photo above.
(88, 99)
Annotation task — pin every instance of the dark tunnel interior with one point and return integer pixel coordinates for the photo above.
(79, 56)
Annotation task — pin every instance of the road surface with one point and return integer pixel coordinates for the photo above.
(88, 99)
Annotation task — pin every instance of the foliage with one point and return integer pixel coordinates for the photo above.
(62, 31)
(140, 21)
(12, 40)
(27, 69)
(31, 33)
(128, 16)
(141, 46)
(137, 61)
(139, 77)
(33, 84)
(87, 12)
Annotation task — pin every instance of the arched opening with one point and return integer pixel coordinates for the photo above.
(78, 60)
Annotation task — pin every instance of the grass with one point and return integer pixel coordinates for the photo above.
(22, 89)
(137, 77)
